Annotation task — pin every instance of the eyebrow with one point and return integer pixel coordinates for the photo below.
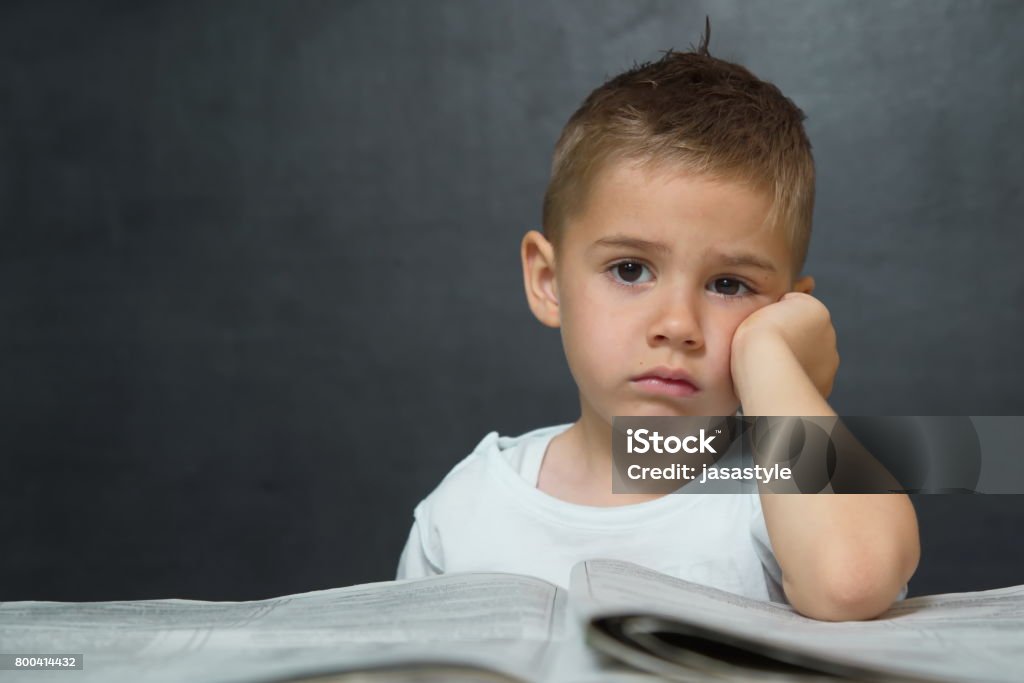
(632, 243)
(740, 258)
(746, 259)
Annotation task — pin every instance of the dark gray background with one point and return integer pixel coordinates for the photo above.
(260, 279)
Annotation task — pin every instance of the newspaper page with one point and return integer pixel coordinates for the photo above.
(575, 662)
(502, 622)
(975, 636)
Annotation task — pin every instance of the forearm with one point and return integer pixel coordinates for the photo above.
(842, 556)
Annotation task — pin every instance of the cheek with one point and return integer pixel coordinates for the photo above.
(588, 335)
(724, 327)
(602, 341)
(591, 318)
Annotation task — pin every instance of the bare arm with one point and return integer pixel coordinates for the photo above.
(843, 557)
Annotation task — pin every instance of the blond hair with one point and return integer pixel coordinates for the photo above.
(696, 113)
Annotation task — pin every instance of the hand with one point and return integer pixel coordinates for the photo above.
(803, 324)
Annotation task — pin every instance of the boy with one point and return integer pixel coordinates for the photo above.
(675, 224)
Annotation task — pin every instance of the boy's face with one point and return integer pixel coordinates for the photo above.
(627, 306)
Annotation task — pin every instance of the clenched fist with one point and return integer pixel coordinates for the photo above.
(804, 325)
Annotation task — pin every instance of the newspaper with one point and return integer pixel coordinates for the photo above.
(499, 622)
(504, 627)
(977, 636)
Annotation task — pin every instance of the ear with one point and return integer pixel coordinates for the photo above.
(804, 285)
(540, 279)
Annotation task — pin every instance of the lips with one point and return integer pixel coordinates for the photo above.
(666, 373)
(666, 381)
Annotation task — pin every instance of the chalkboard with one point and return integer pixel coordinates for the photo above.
(260, 284)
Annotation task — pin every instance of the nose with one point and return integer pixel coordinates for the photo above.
(676, 322)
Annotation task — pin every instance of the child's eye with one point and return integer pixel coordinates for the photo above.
(728, 287)
(629, 272)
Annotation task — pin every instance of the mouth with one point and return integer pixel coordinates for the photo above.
(666, 382)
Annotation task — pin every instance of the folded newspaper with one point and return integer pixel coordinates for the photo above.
(616, 622)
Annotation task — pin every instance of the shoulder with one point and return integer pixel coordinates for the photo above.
(494, 463)
(465, 476)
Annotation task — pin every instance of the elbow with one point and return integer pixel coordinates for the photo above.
(856, 598)
(846, 597)
(854, 589)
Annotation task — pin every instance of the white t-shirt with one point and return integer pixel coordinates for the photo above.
(488, 515)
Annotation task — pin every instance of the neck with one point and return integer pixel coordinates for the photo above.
(592, 442)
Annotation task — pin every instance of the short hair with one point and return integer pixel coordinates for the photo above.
(696, 113)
